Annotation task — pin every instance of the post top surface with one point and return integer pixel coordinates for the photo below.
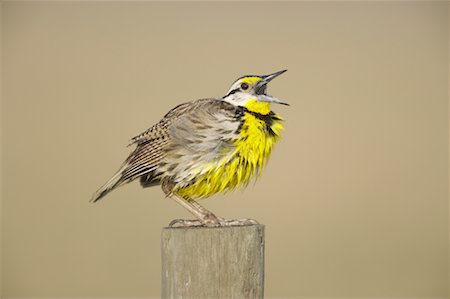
(242, 227)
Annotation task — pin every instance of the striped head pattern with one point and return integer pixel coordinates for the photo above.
(250, 92)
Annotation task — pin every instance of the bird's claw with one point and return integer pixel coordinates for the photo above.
(185, 223)
(238, 222)
(218, 222)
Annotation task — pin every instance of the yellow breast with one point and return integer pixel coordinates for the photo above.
(258, 133)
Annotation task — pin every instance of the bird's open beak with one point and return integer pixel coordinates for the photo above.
(268, 78)
(262, 86)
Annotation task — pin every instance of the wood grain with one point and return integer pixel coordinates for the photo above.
(223, 262)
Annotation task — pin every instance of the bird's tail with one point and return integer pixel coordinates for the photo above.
(110, 185)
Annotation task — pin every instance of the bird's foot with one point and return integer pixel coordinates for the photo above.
(217, 222)
(185, 223)
(238, 222)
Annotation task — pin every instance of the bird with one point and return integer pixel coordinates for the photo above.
(206, 146)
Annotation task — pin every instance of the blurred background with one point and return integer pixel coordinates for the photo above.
(354, 198)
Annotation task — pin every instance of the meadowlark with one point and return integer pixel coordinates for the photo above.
(204, 147)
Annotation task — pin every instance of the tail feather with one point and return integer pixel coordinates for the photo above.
(142, 162)
(110, 185)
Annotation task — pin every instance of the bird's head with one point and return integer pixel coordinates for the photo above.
(250, 92)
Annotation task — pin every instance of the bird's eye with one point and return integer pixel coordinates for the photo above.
(244, 86)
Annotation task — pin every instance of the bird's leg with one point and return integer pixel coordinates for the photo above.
(203, 215)
(224, 222)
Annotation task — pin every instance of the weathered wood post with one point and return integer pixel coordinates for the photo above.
(221, 262)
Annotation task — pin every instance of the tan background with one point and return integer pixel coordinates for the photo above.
(355, 197)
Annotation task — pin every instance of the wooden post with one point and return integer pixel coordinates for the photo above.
(221, 262)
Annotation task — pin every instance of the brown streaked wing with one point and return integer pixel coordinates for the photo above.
(151, 145)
